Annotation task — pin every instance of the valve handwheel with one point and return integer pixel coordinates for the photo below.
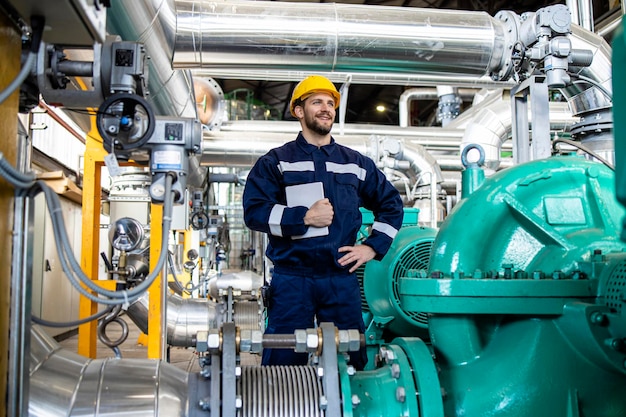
(125, 121)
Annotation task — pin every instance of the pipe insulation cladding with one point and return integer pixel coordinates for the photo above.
(337, 37)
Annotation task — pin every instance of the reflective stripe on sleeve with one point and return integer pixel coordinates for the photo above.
(276, 216)
(359, 172)
(385, 228)
(296, 166)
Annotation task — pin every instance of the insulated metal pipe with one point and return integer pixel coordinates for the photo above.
(65, 384)
(185, 317)
(336, 37)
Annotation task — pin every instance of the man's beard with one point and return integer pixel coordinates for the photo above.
(315, 126)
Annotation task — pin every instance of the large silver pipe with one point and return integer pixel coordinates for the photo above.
(153, 23)
(65, 384)
(336, 37)
(185, 317)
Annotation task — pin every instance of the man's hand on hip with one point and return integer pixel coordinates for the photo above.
(358, 254)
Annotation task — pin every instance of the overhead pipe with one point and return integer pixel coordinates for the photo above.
(63, 383)
(425, 93)
(373, 44)
(337, 37)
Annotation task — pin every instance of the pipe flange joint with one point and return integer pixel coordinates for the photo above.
(502, 66)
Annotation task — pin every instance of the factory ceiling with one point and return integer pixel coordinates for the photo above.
(364, 99)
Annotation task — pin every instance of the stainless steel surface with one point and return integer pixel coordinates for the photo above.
(247, 281)
(591, 98)
(574, 11)
(585, 10)
(280, 391)
(335, 37)
(487, 123)
(600, 69)
(185, 317)
(20, 306)
(248, 315)
(66, 384)
(365, 77)
(153, 23)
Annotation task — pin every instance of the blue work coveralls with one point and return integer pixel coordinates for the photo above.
(308, 283)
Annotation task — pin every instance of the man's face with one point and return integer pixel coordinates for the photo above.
(319, 113)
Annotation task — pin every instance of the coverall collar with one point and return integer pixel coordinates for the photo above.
(308, 148)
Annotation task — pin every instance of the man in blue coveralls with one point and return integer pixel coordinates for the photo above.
(306, 196)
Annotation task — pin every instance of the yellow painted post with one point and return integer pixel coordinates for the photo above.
(155, 304)
(10, 48)
(92, 180)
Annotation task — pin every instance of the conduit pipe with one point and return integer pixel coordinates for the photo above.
(66, 384)
(243, 148)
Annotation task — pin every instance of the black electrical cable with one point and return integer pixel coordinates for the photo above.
(74, 323)
(582, 148)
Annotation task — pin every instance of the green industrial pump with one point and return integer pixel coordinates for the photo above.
(524, 294)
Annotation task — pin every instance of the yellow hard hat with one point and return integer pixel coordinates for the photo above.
(310, 85)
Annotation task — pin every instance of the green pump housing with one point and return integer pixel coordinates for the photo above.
(523, 294)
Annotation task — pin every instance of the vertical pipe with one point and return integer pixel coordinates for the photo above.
(572, 5)
(21, 290)
(586, 14)
(10, 48)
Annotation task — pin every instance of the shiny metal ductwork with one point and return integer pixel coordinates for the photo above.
(187, 316)
(230, 38)
(65, 384)
(337, 37)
